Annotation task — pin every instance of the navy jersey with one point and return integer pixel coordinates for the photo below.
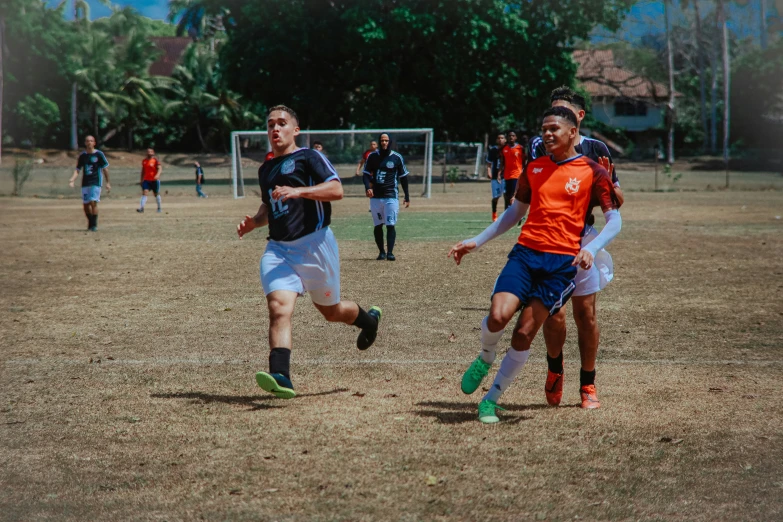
(385, 173)
(493, 158)
(295, 218)
(593, 149)
(199, 172)
(92, 166)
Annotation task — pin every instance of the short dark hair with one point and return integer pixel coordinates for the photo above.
(569, 95)
(317, 143)
(284, 109)
(561, 112)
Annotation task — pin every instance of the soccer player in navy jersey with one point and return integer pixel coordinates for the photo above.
(588, 282)
(494, 173)
(383, 169)
(94, 165)
(297, 187)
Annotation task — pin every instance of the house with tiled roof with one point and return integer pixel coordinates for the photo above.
(620, 97)
(171, 48)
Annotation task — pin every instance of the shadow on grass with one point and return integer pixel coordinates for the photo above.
(460, 412)
(256, 402)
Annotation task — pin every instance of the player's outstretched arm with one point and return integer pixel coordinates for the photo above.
(329, 191)
(507, 220)
(614, 223)
(248, 224)
(73, 178)
(108, 183)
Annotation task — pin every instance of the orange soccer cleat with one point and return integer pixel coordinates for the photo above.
(553, 389)
(589, 397)
(494, 216)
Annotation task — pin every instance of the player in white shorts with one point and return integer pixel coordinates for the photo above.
(383, 169)
(588, 282)
(297, 187)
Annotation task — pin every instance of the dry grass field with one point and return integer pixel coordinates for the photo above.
(127, 359)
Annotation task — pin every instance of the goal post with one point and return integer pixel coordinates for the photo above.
(343, 148)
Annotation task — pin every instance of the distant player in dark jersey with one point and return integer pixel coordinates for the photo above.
(199, 180)
(559, 189)
(151, 170)
(494, 173)
(92, 163)
(318, 146)
(588, 282)
(297, 187)
(360, 166)
(382, 171)
(512, 157)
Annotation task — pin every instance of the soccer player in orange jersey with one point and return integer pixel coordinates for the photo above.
(512, 157)
(539, 274)
(150, 179)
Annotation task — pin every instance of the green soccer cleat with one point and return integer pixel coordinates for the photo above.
(276, 384)
(487, 412)
(473, 376)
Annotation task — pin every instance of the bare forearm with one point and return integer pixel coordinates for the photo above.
(261, 219)
(330, 191)
(75, 175)
(106, 174)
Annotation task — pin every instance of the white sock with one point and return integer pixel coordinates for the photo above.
(143, 202)
(157, 198)
(489, 342)
(512, 364)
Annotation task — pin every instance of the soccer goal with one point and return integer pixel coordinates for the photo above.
(343, 147)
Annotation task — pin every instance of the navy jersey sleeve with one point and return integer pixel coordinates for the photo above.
(492, 155)
(536, 149)
(80, 162)
(602, 150)
(602, 191)
(403, 169)
(102, 161)
(371, 165)
(320, 168)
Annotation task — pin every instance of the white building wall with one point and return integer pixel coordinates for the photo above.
(603, 111)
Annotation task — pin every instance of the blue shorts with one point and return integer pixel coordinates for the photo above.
(151, 185)
(510, 187)
(530, 274)
(497, 188)
(91, 193)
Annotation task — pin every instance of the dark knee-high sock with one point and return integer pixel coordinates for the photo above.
(378, 231)
(494, 205)
(555, 364)
(391, 236)
(364, 320)
(280, 361)
(586, 378)
(507, 201)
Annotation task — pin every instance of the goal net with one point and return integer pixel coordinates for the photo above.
(344, 148)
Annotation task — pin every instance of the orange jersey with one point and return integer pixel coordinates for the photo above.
(513, 159)
(560, 196)
(149, 168)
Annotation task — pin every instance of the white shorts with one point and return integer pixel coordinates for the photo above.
(384, 211)
(497, 188)
(308, 264)
(589, 282)
(91, 193)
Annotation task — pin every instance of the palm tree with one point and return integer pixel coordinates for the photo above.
(197, 19)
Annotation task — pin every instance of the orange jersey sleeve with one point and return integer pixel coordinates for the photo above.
(560, 196)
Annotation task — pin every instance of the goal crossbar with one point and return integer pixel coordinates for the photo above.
(429, 142)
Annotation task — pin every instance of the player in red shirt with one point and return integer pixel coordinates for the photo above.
(558, 189)
(360, 166)
(150, 179)
(512, 157)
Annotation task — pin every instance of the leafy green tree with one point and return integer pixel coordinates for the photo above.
(37, 115)
(458, 65)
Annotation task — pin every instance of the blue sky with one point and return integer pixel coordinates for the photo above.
(645, 17)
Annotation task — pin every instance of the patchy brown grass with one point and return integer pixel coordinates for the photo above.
(128, 359)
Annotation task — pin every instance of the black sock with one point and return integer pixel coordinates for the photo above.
(507, 201)
(89, 220)
(556, 364)
(378, 231)
(494, 205)
(391, 236)
(364, 320)
(586, 378)
(95, 220)
(280, 361)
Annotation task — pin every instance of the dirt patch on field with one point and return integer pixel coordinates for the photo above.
(128, 358)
